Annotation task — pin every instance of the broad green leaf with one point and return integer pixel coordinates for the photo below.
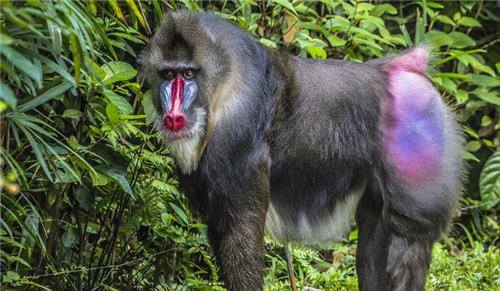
(468, 21)
(303, 8)
(149, 107)
(120, 180)
(335, 41)
(461, 96)
(287, 4)
(120, 102)
(348, 8)
(489, 182)
(7, 95)
(180, 213)
(353, 235)
(470, 157)
(485, 81)
(471, 132)
(461, 40)
(118, 71)
(112, 113)
(449, 85)
(473, 146)
(383, 8)
(445, 19)
(337, 23)
(435, 5)
(364, 6)
(438, 38)
(317, 52)
(486, 120)
(312, 26)
(486, 69)
(490, 97)
(267, 42)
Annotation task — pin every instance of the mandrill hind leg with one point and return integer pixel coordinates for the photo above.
(397, 229)
(371, 254)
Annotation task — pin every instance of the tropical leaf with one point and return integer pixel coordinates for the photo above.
(489, 182)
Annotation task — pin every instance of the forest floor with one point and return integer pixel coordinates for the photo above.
(475, 267)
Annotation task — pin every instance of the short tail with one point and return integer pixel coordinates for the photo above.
(415, 60)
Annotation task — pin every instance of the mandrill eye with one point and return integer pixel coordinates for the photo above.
(169, 74)
(188, 74)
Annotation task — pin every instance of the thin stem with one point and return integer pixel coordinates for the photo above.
(289, 266)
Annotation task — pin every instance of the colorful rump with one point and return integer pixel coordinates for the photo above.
(414, 131)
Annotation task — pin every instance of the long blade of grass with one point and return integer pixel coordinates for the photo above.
(58, 157)
(38, 153)
(140, 14)
(48, 95)
(31, 122)
(51, 64)
(14, 166)
(22, 63)
(118, 11)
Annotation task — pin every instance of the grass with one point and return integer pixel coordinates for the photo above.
(468, 268)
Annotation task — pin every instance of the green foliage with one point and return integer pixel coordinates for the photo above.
(489, 183)
(88, 195)
(455, 268)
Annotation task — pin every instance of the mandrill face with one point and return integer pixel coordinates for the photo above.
(177, 82)
(181, 113)
(182, 67)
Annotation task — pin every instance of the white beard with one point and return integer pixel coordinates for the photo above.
(186, 151)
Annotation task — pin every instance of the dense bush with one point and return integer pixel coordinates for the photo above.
(88, 195)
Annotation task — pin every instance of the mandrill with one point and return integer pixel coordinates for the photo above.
(268, 142)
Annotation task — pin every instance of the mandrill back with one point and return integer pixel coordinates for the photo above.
(318, 176)
(357, 122)
(265, 140)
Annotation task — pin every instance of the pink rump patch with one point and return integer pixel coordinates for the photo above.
(414, 139)
(413, 61)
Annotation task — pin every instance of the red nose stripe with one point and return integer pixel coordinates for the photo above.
(175, 119)
(177, 88)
